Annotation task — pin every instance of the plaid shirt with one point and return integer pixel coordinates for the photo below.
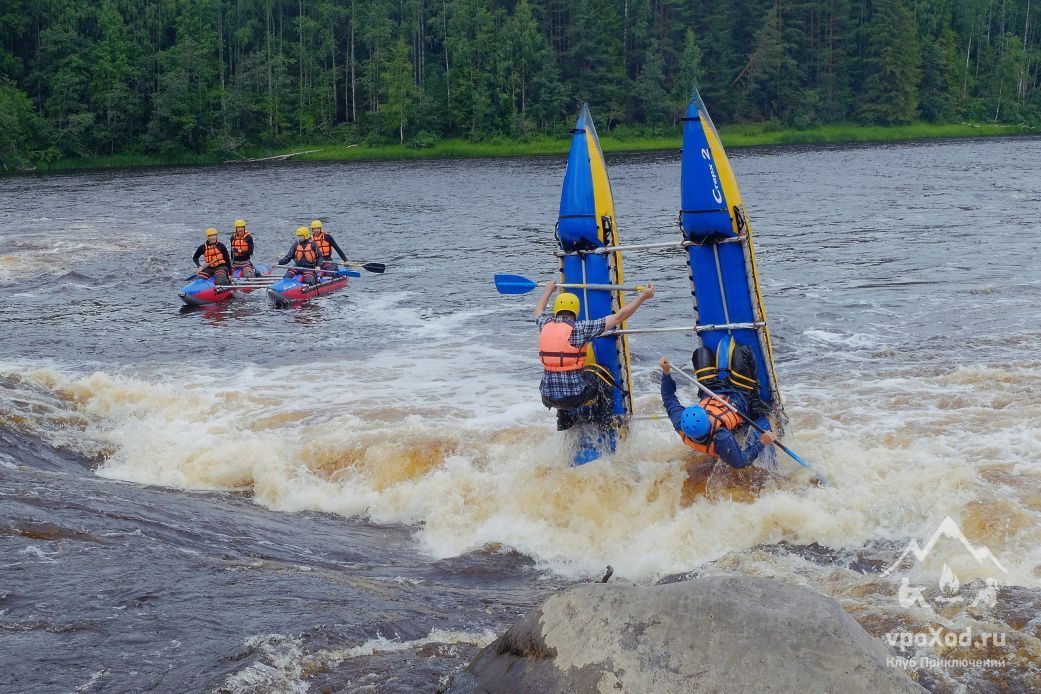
(565, 384)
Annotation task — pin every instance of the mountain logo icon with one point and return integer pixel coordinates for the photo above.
(948, 528)
(948, 584)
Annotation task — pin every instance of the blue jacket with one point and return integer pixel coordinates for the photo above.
(727, 447)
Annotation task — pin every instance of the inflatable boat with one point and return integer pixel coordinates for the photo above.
(728, 304)
(201, 291)
(587, 222)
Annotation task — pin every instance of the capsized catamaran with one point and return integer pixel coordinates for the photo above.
(728, 304)
(585, 224)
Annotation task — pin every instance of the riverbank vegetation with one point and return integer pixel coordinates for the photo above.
(456, 148)
(204, 81)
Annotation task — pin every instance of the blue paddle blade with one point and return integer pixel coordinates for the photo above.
(513, 284)
(796, 458)
(348, 273)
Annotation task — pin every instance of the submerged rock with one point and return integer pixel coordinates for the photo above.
(712, 634)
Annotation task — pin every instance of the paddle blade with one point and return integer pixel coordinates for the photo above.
(348, 273)
(513, 284)
(378, 268)
(794, 457)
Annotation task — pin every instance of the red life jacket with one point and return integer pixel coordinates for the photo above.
(555, 350)
(239, 243)
(213, 256)
(305, 253)
(721, 417)
(324, 247)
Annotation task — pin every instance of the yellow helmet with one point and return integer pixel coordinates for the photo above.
(316, 224)
(566, 301)
(240, 223)
(303, 232)
(211, 231)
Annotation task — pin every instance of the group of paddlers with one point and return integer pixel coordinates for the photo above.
(582, 392)
(311, 254)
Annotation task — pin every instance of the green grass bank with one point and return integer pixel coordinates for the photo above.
(734, 136)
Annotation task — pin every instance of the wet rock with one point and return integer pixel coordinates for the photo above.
(712, 634)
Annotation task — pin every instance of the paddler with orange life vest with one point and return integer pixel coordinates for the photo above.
(216, 261)
(305, 255)
(567, 383)
(326, 245)
(242, 249)
(709, 426)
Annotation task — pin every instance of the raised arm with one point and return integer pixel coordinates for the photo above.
(623, 314)
(672, 404)
(543, 302)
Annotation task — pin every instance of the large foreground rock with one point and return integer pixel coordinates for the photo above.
(713, 634)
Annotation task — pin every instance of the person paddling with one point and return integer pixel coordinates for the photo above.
(567, 383)
(216, 260)
(709, 426)
(326, 245)
(305, 256)
(242, 248)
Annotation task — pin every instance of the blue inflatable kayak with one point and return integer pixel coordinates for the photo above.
(292, 289)
(202, 292)
(587, 222)
(728, 302)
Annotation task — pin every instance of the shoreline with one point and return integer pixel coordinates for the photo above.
(733, 137)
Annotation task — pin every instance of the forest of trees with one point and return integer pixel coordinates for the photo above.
(88, 77)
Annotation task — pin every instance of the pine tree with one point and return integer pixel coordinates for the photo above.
(651, 99)
(17, 125)
(892, 65)
(688, 74)
(397, 108)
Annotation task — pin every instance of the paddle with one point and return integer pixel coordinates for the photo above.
(378, 268)
(303, 269)
(748, 420)
(341, 273)
(515, 284)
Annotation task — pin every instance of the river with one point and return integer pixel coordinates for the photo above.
(362, 491)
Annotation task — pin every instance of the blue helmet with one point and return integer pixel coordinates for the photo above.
(694, 422)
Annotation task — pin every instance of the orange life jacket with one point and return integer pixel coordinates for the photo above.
(213, 256)
(721, 418)
(556, 352)
(305, 253)
(239, 243)
(324, 247)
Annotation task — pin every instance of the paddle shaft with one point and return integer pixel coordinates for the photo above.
(606, 287)
(304, 269)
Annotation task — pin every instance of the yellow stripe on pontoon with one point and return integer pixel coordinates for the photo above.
(603, 200)
(733, 197)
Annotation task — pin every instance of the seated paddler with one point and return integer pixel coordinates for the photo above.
(710, 426)
(567, 382)
(242, 248)
(215, 260)
(326, 245)
(305, 256)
